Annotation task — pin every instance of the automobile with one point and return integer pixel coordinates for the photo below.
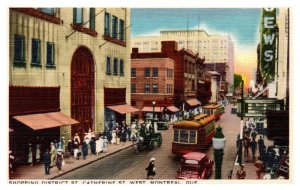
(195, 165)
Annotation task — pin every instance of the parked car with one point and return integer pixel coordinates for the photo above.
(195, 165)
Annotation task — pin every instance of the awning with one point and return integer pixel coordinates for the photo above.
(173, 109)
(123, 109)
(45, 120)
(193, 102)
(150, 109)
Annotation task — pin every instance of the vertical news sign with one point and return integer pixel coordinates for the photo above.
(268, 43)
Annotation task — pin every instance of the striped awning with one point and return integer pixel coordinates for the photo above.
(193, 102)
(150, 109)
(123, 109)
(173, 109)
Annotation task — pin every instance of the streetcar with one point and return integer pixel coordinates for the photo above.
(193, 135)
(216, 110)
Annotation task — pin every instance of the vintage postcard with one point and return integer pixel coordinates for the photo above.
(139, 95)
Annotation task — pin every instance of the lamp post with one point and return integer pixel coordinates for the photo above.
(218, 144)
(153, 104)
(240, 151)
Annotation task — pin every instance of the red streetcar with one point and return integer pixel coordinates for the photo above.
(193, 135)
(195, 165)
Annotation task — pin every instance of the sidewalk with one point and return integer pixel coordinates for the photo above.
(37, 171)
(249, 164)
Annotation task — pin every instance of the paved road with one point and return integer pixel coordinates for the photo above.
(127, 165)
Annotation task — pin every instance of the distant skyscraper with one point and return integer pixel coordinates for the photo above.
(215, 48)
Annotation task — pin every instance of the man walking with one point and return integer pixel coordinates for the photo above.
(47, 161)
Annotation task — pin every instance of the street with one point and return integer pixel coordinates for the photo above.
(128, 165)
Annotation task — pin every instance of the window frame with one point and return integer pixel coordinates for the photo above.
(92, 19)
(50, 59)
(75, 16)
(146, 73)
(133, 88)
(19, 45)
(133, 71)
(114, 33)
(108, 66)
(121, 67)
(147, 88)
(107, 24)
(155, 72)
(121, 30)
(115, 66)
(155, 90)
(35, 51)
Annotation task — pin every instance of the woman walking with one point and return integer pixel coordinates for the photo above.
(151, 168)
(59, 160)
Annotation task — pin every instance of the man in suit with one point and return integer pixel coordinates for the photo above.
(47, 161)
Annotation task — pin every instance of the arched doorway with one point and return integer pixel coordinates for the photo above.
(82, 91)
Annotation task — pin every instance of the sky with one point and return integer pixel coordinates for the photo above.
(242, 24)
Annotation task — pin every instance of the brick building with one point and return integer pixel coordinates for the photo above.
(187, 67)
(152, 79)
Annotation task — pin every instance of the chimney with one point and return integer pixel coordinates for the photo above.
(135, 50)
(169, 46)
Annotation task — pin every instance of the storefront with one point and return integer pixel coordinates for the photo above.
(34, 121)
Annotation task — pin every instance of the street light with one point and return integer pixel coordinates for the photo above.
(240, 151)
(218, 144)
(153, 104)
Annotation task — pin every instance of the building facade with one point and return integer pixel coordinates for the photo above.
(83, 52)
(186, 66)
(152, 79)
(215, 48)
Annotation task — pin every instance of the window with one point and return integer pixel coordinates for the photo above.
(133, 88)
(122, 30)
(115, 66)
(133, 72)
(108, 66)
(154, 88)
(155, 72)
(147, 88)
(92, 18)
(121, 67)
(49, 11)
(147, 72)
(19, 48)
(107, 24)
(36, 51)
(77, 15)
(50, 54)
(185, 136)
(114, 27)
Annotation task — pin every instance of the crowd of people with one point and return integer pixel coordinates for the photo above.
(264, 158)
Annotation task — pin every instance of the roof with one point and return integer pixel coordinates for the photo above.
(194, 156)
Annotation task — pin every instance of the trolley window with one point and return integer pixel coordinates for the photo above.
(185, 136)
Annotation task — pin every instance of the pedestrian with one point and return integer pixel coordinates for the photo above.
(253, 149)
(77, 138)
(76, 150)
(11, 162)
(229, 174)
(114, 136)
(85, 148)
(260, 167)
(246, 142)
(30, 161)
(53, 154)
(241, 173)
(253, 134)
(37, 153)
(151, 168)
(123, 136)
(59, 160)
(93, 146)
(47, 161)
(105, 143)
(70, 148)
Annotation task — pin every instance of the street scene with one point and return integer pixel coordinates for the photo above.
(149, 94)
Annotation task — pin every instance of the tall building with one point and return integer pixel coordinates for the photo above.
(71, 61)
(215, 48)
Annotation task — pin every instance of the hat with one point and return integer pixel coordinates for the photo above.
(152, 159)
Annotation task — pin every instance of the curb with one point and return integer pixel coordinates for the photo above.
(80, 166)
